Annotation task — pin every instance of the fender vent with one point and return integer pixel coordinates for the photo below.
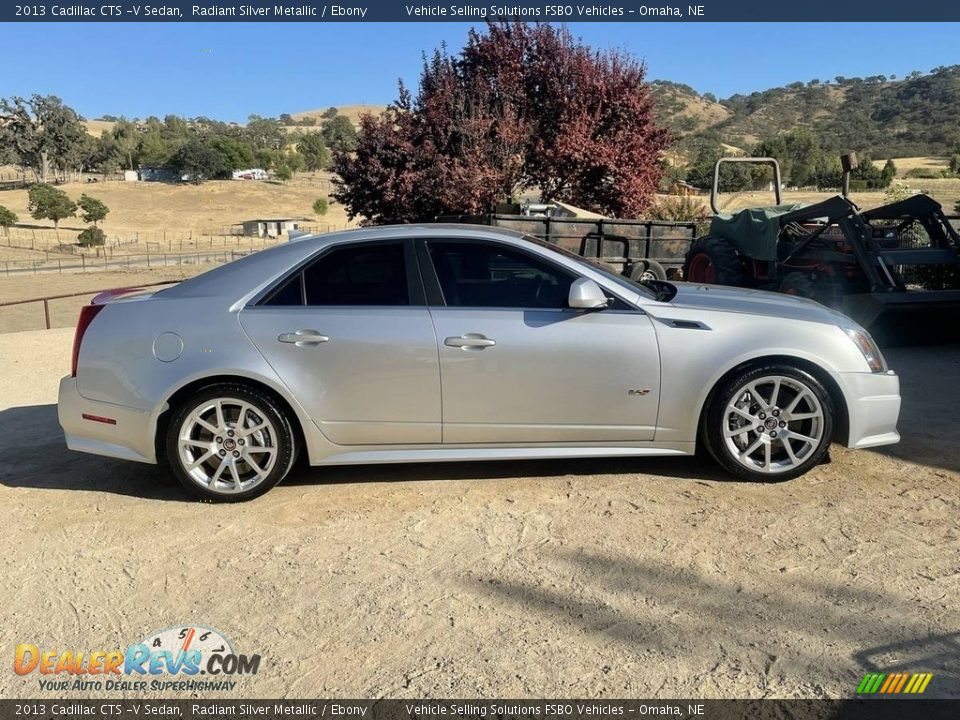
(687, 324)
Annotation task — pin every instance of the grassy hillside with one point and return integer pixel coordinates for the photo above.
(915, 116)
(353, 112)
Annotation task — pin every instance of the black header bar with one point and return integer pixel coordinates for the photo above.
(853, 11)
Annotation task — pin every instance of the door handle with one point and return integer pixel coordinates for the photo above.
(470, 341)
(303, 338)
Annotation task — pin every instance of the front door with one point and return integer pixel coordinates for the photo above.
(351, 338)
(518, 366)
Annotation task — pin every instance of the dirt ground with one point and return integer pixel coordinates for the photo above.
(650, 578)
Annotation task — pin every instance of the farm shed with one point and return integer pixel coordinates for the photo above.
(683, 188)
(158, 174)
(269, 227)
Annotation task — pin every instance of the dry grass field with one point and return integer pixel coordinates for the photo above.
(351, 112)
(64, 312)
(153, 207)
(922, 162)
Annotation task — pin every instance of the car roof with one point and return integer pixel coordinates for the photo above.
(237, 277)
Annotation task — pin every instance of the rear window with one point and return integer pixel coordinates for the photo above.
(354, 275)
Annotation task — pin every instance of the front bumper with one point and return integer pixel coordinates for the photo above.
(873, 405)
(128, 439)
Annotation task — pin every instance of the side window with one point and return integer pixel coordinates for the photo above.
(487, 275)
(364, 275)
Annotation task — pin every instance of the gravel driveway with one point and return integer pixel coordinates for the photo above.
(649, 578)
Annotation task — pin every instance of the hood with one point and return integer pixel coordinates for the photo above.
(755, 302)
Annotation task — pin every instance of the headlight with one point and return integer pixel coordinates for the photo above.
(871, 353)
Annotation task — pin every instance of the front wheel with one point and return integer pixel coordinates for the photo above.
(768, 423)
(230, 442)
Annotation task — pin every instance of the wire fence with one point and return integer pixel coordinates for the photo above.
(84, 263)
(48, 250)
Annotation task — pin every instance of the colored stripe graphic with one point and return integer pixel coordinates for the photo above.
(894, 683)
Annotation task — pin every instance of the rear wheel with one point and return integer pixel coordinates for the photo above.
(713, 261)
(771, 422)
(230, 442)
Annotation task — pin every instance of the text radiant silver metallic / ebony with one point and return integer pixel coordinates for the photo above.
(431, 343)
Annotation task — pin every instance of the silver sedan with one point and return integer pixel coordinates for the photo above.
(437, 343)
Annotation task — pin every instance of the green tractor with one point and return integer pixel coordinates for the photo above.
(894, 269)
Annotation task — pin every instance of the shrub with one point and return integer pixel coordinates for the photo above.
(7, 218)
(320, 206)
(92, 237)
(678, 208)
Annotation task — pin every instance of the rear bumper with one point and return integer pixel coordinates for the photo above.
(873, 404)
(128, 438)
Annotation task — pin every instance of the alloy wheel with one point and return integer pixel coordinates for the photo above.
(227, 445)
(773, 424)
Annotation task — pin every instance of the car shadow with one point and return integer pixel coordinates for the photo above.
(680, 468)
(928, 422)
(33, 455)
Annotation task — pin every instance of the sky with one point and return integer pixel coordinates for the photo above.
(231, 70)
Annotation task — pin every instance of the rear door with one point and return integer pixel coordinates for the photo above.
(519, 366)
(351, 337)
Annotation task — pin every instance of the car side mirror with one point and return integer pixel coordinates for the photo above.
(585, 294)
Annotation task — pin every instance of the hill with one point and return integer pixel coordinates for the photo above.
(353, 112)
(915, 116)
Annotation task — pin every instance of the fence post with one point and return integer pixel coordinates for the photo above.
(46, 312)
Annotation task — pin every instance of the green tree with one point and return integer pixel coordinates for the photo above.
(339, 134)
(266, 133)
(41, 134)
(320, 206)
(330, 112)
(46, 202)
(266, 158)
(798, 153)
(235, 153)
(93, 210)
(734, 177)
(200, 161)
(126, 142)
(283, 173)
(154, 150)
(889, 171)
(315, 153)
(92, 236)
(8, 219)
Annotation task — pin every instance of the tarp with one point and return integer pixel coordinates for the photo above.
(754, 231)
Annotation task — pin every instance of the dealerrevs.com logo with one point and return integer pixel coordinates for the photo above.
(189, 657)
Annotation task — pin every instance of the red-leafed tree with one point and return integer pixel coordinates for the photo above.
(523, 106)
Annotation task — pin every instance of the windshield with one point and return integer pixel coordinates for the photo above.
(625, 282)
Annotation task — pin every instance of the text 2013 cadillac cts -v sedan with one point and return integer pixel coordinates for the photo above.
(432, 343)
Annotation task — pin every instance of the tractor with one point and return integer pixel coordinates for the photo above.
(894, 269)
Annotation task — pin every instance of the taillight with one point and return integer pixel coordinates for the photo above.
(87, 314)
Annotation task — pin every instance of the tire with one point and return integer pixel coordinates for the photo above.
(236, 468)
(751, 392)
(713, 261)
(647, 270)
